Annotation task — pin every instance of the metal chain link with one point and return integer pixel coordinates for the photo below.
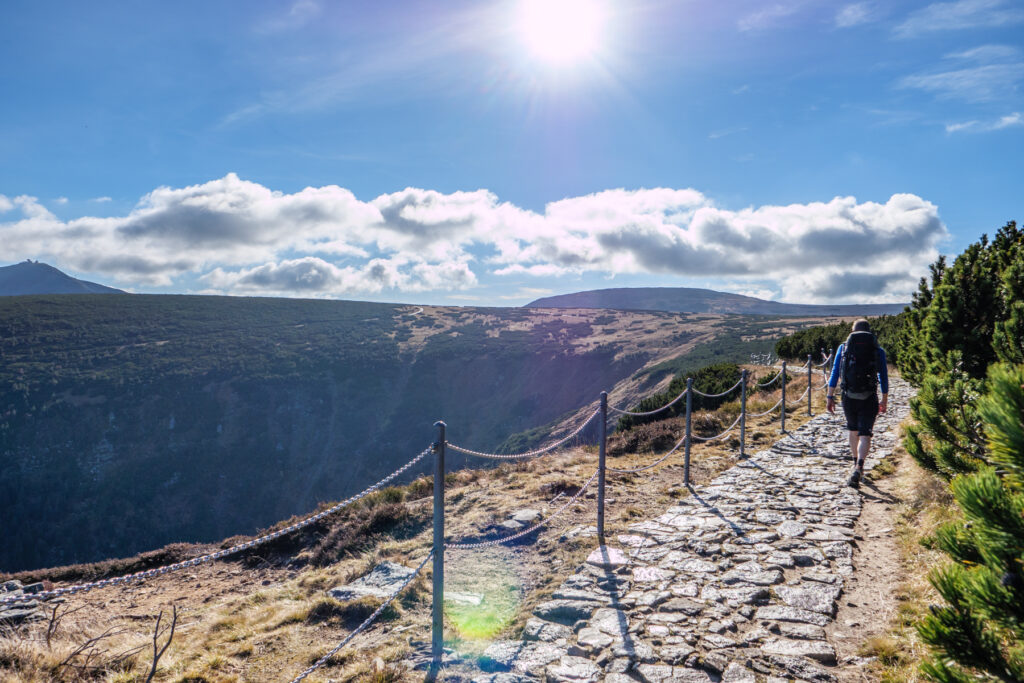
(529, 530)
(719, 436)
(727, 391)
(369, 620)
(654, 464)
(770, 382)
(772, 409)
(649, 412)
(159, 571)
(528, 454)
(799, 398)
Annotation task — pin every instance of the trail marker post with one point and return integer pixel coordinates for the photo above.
(810, 381)
(601, 466)
(689, 413)
(783, 397)
(437, 611)
(743, 414)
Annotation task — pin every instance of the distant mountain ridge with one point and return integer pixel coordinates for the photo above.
(33, 277)
(692, 300)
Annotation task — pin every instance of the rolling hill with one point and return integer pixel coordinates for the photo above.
(33, 277)
(690, 300)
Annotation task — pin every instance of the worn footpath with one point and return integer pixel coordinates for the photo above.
(736, 583)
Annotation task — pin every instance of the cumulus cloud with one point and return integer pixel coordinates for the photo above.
(237, 236)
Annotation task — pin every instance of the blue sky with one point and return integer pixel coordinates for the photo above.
(489, 153)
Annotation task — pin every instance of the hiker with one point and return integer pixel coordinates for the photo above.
(860, 361)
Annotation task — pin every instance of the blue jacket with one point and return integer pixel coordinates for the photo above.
(837, 369)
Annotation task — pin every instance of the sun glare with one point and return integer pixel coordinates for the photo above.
(562, 32)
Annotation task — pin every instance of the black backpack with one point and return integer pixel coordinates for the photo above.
(860, 365)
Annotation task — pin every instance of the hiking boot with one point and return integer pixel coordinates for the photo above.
(854, 479)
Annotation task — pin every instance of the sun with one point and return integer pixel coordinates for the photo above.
(562, 32)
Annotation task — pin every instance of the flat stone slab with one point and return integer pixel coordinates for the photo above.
(607, 557)
(783, 613)
(527, 516)
(573, 669)
(384, 580)
(818, 650)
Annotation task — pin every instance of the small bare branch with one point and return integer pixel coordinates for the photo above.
(158, 651)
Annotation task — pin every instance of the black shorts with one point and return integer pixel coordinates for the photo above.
(860, 414)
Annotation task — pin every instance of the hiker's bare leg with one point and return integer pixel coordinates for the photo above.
(854, 444)
(864, 447)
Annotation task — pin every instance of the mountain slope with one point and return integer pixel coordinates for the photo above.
(33, 277)
(690, 300)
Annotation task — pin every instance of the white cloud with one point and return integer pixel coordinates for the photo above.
(5, 204)
(855, 15)
(987, 54)
(298, 15)
(101, 200)
(961, 14)
(61, 200)
(1009, 121)
(237, 236)
(975, 84)
(768, 17)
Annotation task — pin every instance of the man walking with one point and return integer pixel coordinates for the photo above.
(860, 361)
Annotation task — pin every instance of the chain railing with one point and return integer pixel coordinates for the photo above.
(527, 531)
(439, 547)
(721, 435)
(727, 391)
(196, 561)
(668, 405)
(528, 454)
(366, 622)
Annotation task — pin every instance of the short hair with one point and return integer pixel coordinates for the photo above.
(862, 325)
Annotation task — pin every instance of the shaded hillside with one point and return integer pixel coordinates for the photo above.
(689, 300)
(30, 277)
(127, 422)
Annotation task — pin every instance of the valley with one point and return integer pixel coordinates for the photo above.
(130, 421)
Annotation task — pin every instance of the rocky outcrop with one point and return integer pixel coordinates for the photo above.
(12, 614)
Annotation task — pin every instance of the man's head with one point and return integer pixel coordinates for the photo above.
(862, 325)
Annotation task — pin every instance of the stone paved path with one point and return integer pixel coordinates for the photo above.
(734, 584)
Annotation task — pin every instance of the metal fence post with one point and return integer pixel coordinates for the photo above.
(600, 466)
(689, 412)
(743, 414)
(783, 397)
(810, 382)
(437, 630)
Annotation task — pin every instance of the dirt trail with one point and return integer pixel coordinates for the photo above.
(867, 607)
